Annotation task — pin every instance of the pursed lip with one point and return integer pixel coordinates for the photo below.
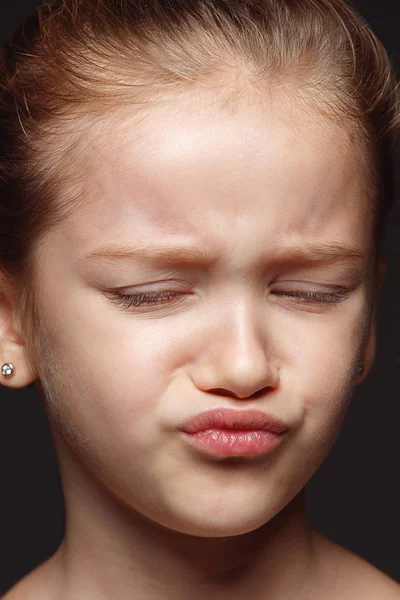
(233, 419)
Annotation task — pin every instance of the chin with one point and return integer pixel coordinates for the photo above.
(205, 528)
(204, 521)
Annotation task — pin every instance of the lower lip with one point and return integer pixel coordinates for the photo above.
(234, 442)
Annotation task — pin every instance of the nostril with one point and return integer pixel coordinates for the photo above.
(220, 392)
(258, 394)
(225, 392)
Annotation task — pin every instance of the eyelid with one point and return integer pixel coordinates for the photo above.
(163, 285)
(314, 285)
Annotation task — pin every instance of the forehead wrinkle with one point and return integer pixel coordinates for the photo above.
(160, 212)
(116, 124)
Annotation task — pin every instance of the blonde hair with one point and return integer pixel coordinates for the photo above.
(73, 60)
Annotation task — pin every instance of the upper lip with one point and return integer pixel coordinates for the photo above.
(228, 418)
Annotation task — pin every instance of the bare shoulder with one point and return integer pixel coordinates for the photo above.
(20, 590)
(40, 584)
(350, 577)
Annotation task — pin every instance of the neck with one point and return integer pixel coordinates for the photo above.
(109, 550)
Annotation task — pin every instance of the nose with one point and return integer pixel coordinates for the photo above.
(237, 359)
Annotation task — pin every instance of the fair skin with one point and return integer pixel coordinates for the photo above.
(148, 517)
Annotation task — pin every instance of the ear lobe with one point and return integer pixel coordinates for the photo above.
(12, 350)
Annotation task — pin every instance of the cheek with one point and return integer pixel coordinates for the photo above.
(330, 357)
(104, 398)
(319, 359)
(325, 382)
(104, 380)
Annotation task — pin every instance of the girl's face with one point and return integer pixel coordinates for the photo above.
(259, 207)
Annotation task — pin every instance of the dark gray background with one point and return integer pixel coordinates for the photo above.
(354, 498)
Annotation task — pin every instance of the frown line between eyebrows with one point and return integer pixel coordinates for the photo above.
(163, 256)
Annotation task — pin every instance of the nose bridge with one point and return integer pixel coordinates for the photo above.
(237, 354)
(242, 327)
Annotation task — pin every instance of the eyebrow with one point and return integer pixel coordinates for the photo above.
(155, 254)
(162, 256)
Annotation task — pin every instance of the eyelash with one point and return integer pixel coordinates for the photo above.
(136, 300)
(154, 298)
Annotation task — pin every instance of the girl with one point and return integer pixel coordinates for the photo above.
(194, 194)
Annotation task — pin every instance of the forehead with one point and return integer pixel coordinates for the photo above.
(189, 164)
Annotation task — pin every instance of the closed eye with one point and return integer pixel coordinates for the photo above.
(126, 301)
(316, 297)
(149, 298)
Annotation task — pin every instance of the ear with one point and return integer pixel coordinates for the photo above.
(368, 353)
(12, 347)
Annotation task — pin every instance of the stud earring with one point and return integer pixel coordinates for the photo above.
(7, 370)
(361, 367)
